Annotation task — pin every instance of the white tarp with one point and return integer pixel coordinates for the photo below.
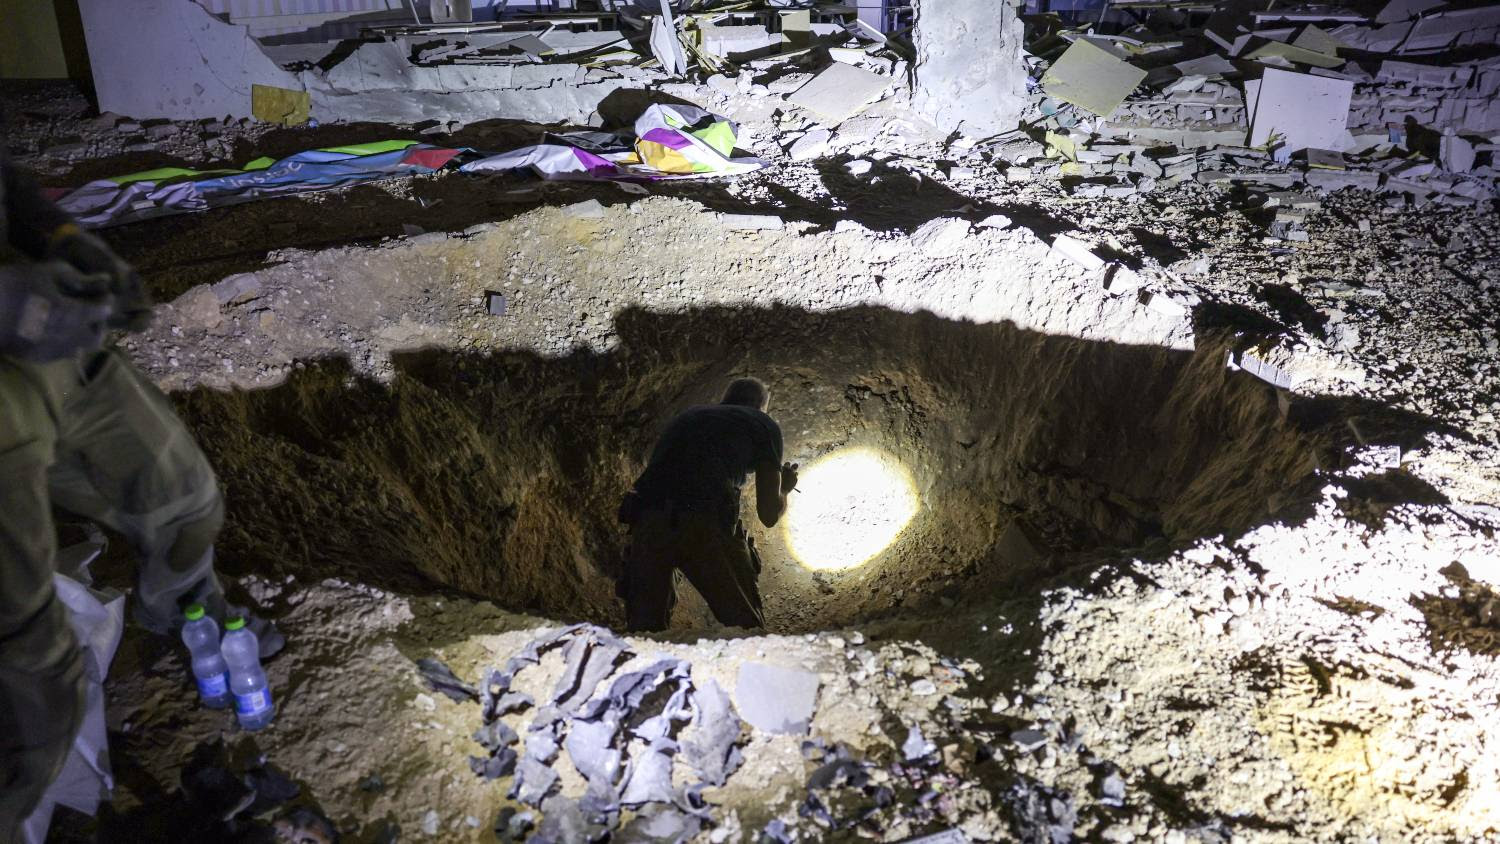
(98, 620)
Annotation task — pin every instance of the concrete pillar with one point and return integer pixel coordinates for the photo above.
(969, 74)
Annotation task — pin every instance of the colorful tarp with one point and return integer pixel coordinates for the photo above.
(671, 142)
(173, 190)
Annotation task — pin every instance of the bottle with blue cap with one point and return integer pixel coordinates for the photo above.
(247, 680)
(201, 635)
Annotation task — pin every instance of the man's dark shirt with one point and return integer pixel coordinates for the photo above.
(705, 455)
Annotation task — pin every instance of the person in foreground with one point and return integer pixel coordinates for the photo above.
(83, 430)
(684, 510)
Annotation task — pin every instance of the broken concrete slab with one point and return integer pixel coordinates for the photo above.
(1404, 10)
(589, 209)
(1091, 79)
(1456, 154)
(775, 699)
(377, 83)
(169, 58)
(238, 289)
(1300, 110)
(1120, 280)
(1315, 39)
(839, 92)
(812, 145)
(1209, 67)
(968, 73)
(1294, 54)
(751, 222)
(1078, 252)
(1164, 304)
(1028, 740)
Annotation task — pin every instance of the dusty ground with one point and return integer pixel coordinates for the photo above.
(1229, 613)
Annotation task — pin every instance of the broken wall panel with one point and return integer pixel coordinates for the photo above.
(377, 83)
(171, 58)
(1301, 110)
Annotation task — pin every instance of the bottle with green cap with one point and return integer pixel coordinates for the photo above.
(247, 680)
(201, 635)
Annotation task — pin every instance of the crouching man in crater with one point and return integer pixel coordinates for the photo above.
(684, 510)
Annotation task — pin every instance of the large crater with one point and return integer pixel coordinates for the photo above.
(499, 475)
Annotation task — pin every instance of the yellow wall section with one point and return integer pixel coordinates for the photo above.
(30, 44)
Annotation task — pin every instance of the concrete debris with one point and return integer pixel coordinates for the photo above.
(1165, 304)
(1120, 280)
(589, 209)
(751, 222)
(812, 145)
(237, 289)
(440, 679)
(839, 92)
(1260, 368)
(1028, 740)
(776, 699)
(1298, 110)
(495, 303)
(1091, 78)
(1078, 252)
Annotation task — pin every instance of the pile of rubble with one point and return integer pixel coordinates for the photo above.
(1271, 101)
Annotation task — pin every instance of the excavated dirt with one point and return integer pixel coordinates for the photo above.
(498, 474)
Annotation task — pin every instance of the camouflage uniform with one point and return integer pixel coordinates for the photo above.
(90, 434)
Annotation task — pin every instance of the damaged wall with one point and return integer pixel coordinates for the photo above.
(377, 83)
(171, 58)
(969, 74)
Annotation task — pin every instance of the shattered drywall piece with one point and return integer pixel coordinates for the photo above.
(839, 92)
(665, 44)
(1405, 10)
(969, 76)
(797, 28)
(1381, 39)
(1209, 67)
(1315, 39)
(1091, 79)
(1293, 53)
(1459, 27)
(171, 58)
(1456, 154)
(1078, 252)
(1301, 110)
(776, 699)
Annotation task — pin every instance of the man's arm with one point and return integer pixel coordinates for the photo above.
(41, 230)
(33, 220)
(772, 485)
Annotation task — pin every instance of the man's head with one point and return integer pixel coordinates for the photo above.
(749, 392)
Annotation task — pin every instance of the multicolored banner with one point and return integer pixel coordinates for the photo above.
(670, 142)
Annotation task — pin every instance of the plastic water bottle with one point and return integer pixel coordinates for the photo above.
(247, 680)
(201, 635)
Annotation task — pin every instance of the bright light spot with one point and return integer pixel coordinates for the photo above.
(849, 506)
